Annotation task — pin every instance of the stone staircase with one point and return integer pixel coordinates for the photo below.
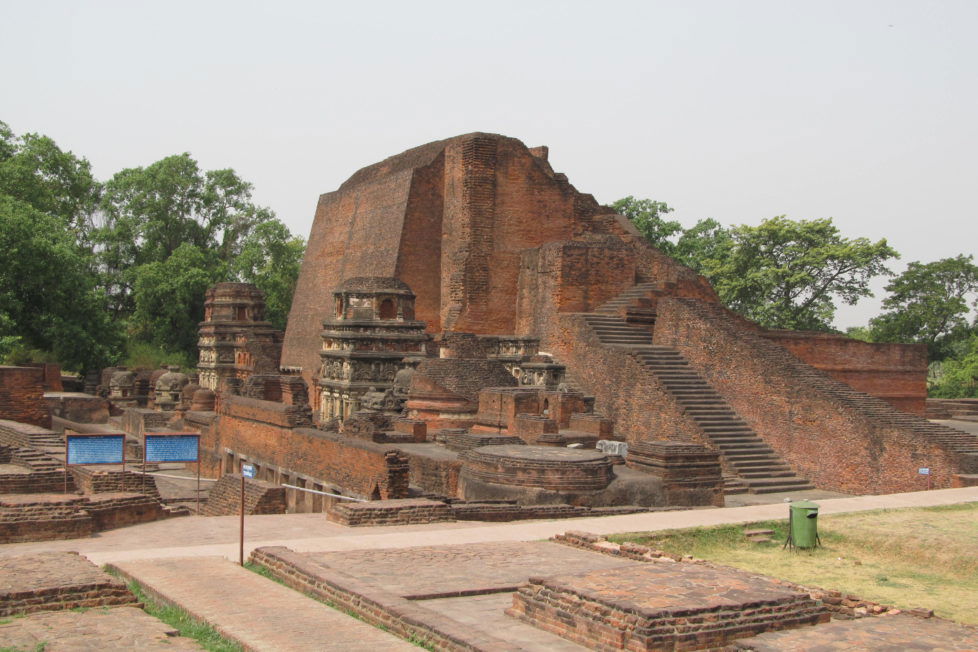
(750, 465)
(876, 409)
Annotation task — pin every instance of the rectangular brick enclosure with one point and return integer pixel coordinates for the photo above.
(662, 606)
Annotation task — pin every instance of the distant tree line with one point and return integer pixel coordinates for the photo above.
(96, 273)
(784, 273)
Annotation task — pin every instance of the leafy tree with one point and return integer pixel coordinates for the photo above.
(788, 274)
(929, 303)
(169, 299)
(148, 213)
(958, 376)
(647, 216)
(33, 169)
(48, 295)
(270, 258)
(704, 246)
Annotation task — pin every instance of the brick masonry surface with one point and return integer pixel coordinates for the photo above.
(22, 395)
(51, 581)
(260, 497)
(661, 606)
(118, 628)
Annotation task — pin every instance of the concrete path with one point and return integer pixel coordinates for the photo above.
(197, 536)
(253, 610)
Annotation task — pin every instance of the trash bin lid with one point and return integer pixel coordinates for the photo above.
(804, 504)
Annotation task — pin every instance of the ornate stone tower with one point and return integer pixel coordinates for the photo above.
(365, 343)
(235, 340)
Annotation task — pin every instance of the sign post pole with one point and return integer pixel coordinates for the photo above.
(247, 471)
(198, 476)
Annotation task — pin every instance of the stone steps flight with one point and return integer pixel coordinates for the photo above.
(750, 465)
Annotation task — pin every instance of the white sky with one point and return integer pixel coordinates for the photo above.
(864, 111)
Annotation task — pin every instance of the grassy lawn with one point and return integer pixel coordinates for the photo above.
(921, 557)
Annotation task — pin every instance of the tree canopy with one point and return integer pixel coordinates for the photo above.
(92, 265)
(929, 303)
(789, 274)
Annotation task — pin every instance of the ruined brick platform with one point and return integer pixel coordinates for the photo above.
(555, 469)
(121, 628)
(390, 512)
(897, 632)
(662, 607)
(44, 517)
(463, 440)
(51, 581)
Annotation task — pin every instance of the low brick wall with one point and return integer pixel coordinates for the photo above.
(405, 618)
(32, 482)
(44, 517)
(260, 497)
(256, 430)
(22, 395)
(78, 407)
(112, 510)
(16, 433)
(622, 608)
(55, 581)
(896, 373)
(389, 512)
(840, 605)
(96, 480)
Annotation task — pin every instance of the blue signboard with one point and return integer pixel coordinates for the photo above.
(248, 470)
(172, 448)
(95, 449)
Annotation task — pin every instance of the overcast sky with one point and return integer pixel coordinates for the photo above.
(866, 112)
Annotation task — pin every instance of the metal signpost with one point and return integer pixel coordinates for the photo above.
(173, 447)
(247, 471)
(925, 471)
(98, 448)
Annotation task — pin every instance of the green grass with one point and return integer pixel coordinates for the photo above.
(183, 622)
(920, 557)
(40, 647)
(266, 572)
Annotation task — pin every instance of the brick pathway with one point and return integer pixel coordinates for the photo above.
(217, 536)
(255, 611)
(95, 630)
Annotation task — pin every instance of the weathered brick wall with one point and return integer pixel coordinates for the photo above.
(22, 395)
(896, 373)
(623, 389)
(67, 581)
(35, 482)
(389, 512)
(139, 421)
(260, 497)
(815, 423)
(43, 517)
(254, 429)
(437, 475)
(448, 218)
(571, 277)
(81, 408)
(97, 480)
(121, 509)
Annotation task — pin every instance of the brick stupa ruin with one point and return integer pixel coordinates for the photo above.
(474, 338)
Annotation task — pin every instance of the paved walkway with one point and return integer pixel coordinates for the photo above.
(198, 536)
(255, 611)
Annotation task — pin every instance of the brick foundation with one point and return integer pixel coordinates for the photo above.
(22, 395)
(54, 581)
(260, 497)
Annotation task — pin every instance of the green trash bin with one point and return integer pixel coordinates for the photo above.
(804, 524)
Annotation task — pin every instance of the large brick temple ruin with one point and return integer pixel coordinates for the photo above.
(474, 338)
